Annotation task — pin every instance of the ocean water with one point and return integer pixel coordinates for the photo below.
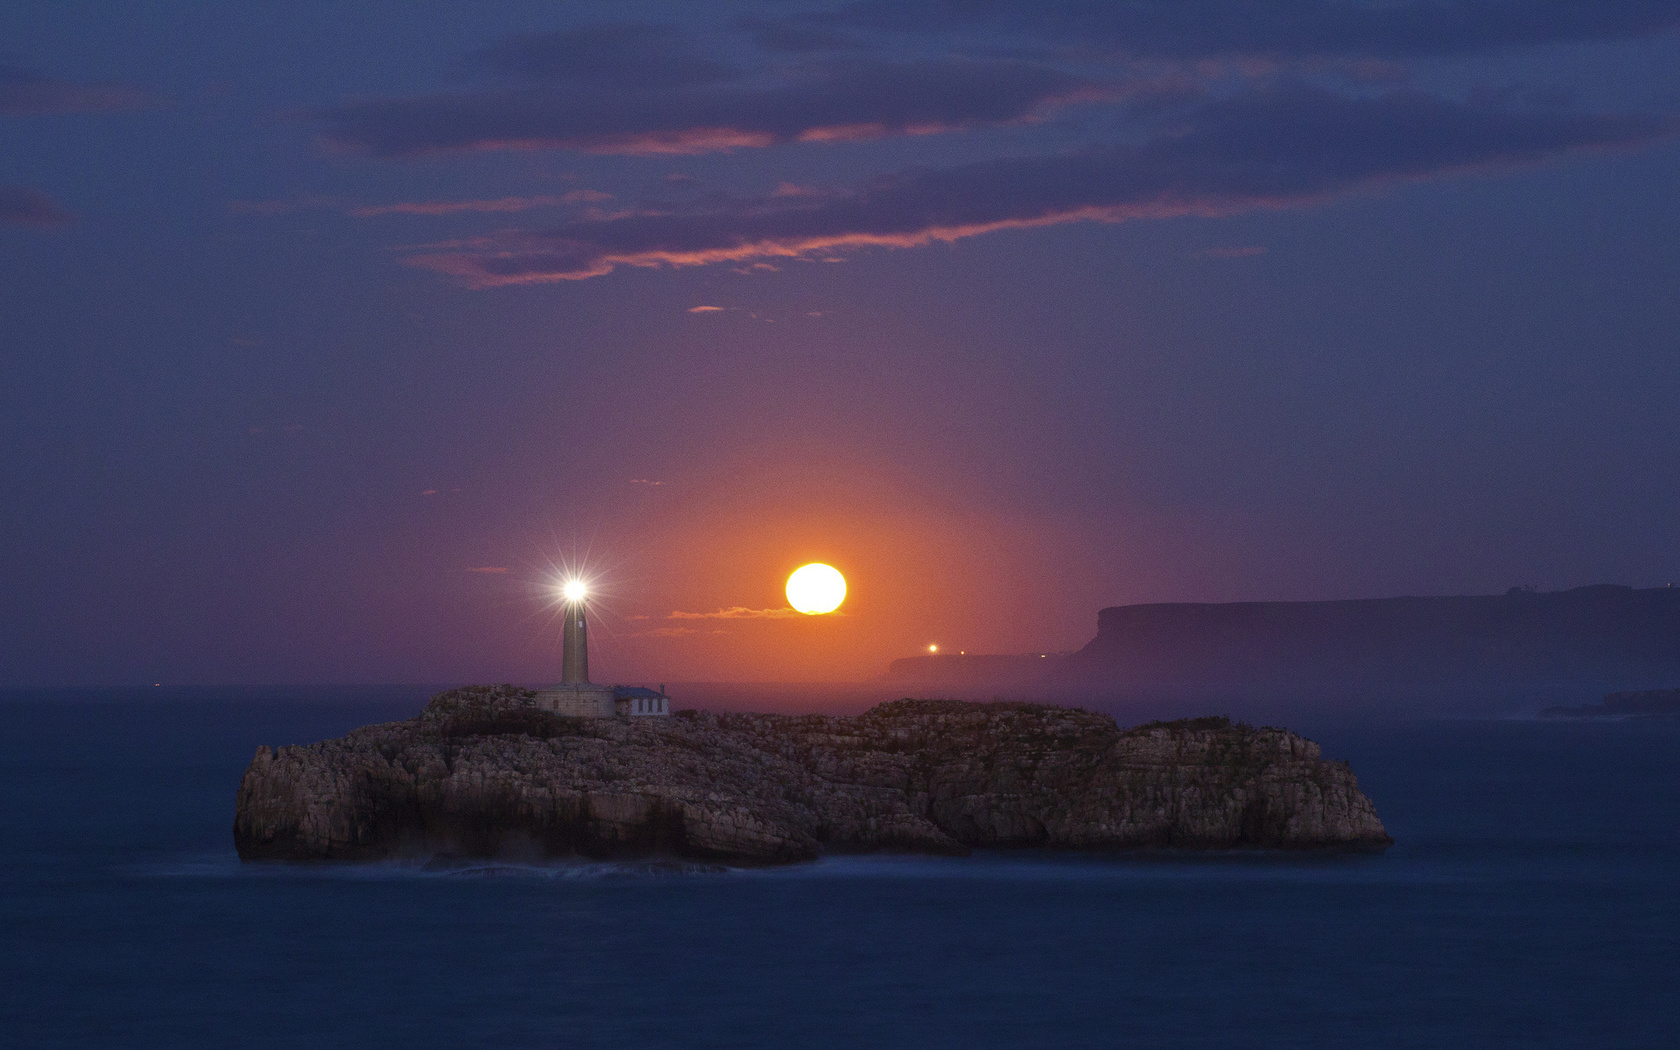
(1532, 900)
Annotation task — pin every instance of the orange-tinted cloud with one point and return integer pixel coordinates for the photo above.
(1282, 147)
(740, 613)
(671, 632)
(498, 204)
(820, 102)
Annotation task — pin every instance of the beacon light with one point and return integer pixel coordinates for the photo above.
(575, 590)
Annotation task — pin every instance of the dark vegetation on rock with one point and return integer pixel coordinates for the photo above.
(482, 772)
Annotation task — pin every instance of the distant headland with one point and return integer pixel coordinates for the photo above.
(1524, 645)
(1649, 703)
(487, 772)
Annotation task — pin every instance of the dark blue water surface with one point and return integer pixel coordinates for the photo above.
(1532, 900)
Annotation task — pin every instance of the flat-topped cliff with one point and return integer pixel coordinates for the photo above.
(483, 772)
(1581, 642)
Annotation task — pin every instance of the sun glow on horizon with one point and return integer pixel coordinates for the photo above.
(816, 588)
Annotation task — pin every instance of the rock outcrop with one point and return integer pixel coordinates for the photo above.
(481, 772)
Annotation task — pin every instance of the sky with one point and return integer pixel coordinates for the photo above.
(332, 334)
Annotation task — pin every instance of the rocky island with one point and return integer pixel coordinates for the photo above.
(483, 772)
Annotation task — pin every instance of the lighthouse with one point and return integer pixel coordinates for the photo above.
(576, 695)
(574, 639)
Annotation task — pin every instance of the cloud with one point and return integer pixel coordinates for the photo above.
(644, 89)
(24, 91)
(739, 612)
(1285, 29)
(498, 204)
(1283, 146)
(830, 101)
(494, 570)
(315, 202)
(705, 309)
(25, 207)
(672, 632)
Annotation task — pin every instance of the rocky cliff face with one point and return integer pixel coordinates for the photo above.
(482, 772)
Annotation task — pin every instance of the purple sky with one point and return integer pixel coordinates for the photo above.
(328, 333)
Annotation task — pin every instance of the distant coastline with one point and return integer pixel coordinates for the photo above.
(1647, 703)
(1448, 653)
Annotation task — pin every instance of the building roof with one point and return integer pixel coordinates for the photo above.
(636, 692)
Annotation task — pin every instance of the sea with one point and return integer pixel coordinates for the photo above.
(1531, 899)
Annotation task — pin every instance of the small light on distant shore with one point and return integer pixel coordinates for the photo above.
(933, 648)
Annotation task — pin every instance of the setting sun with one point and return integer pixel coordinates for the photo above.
(816, 588)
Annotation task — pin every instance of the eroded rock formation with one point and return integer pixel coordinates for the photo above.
(482, 772)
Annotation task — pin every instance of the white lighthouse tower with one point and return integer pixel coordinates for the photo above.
(576, 695)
